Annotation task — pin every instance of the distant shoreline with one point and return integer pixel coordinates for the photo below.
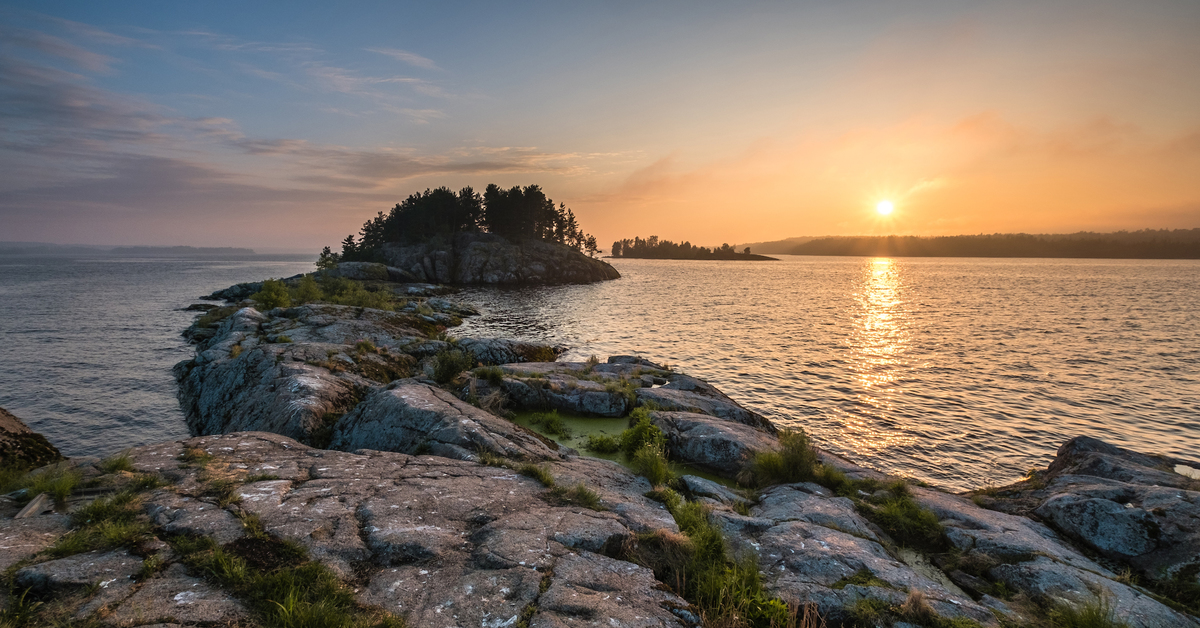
(740, 257)
(1182, 244)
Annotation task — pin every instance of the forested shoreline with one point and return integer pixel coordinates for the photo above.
(1144, 244)
(654, 248)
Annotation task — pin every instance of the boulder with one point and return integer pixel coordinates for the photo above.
(482, 258)
(723, 446)
(689, 394)
(410, 417)
(21, 446)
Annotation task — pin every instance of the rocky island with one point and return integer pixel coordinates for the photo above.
(353, 464)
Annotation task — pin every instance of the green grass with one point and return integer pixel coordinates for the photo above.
(538, 472)
(603, 444)
(651, 463)
(641, 432)
(119, 462)
(1098, 614)
(280, 585)
(493, 374)
(903, 519)
(57, 482)
(795, 461)
(106, 523)
(578, 495)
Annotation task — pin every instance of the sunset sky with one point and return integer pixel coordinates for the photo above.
(287, 124)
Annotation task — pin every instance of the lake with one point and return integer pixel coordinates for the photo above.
(960, 372)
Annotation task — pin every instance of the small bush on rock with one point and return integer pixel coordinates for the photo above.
(795, 461)
(603, 444)
(272, 295)
(447, 365)
(640, 433)
(650, 462)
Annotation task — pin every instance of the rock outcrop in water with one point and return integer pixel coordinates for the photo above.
(21, 446)
(482, 258)
(434, 507)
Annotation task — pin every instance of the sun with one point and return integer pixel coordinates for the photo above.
(884, 207)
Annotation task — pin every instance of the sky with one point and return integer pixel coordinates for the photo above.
(286, 125)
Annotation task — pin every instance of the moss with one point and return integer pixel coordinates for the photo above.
(23, 451)
(531, 353)
(195, 457)
(903, 519)
(215, 316)
(864, 578)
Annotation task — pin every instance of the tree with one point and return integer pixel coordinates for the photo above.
(747, 251)
(328, 259)
(591, 247)
(272, 295)
(615, 252)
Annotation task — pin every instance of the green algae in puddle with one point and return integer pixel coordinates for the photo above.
(578, 428)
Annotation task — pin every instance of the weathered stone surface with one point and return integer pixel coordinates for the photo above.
(22, 446)
(481, 258)
(813, 504)
(1105, 525)
(1128, 506)
(177, 597)
(177, 514)
(408, 416)
(717, 444)
(1046, 579)
(491, 351)
(688, 394)
(701, 487)
(588, 589)
(79, 570)
(22, 538)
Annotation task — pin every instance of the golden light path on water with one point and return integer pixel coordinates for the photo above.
(877, 351)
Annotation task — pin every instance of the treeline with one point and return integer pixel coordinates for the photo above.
(1144, 244)
(653, 248)
(516, 213)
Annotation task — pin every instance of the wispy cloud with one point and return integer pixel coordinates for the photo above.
(50, 45)
(411, 58)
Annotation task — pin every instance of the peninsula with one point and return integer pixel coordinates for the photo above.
(653, 248)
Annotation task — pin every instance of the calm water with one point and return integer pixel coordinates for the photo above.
(87, 344)
(960, 372)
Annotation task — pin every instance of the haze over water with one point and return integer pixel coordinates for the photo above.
(962, 372)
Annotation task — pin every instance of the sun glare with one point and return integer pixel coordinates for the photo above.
(884, 207)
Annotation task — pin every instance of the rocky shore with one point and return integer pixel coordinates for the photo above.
(368, 452)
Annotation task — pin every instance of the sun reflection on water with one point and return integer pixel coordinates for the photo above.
(878, 344)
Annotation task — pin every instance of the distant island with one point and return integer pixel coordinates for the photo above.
(46, 248)
(178, 251)
(653, 248)
(1142, 244)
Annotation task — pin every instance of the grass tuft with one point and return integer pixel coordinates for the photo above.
(538, 472)
(641, 432)
(795, 461)
(1098, 614)
(578, 495)
(119, 462)
(651, 462)
(493, 374)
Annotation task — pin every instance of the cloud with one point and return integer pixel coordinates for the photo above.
(413, 59)
(55, 47)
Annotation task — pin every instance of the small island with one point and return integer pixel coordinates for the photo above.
(653, 248)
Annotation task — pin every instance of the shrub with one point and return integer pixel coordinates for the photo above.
(640, 433)
(272, 295)
(307, 291)
(603, 444)
(365, 346)
(57, 482)
(447, 364)
(651, 462)
(795, 461)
